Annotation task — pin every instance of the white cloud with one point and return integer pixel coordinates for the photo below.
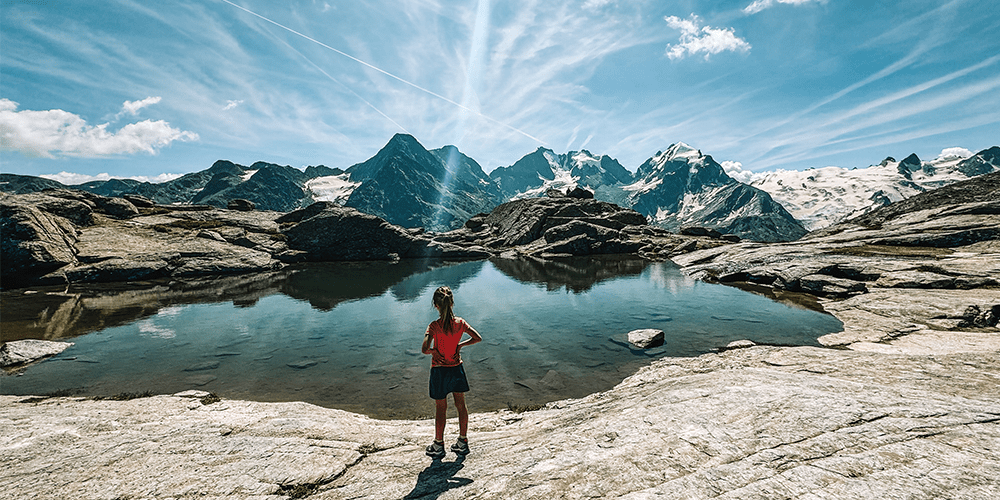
(230, 104)
(133, 107)
(759, 5)
(56, 132)
(954, 153)
(735, 170)
(708, 40)
(71, 178)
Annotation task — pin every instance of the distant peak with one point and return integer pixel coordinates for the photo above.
(913, 159)
(681, 150)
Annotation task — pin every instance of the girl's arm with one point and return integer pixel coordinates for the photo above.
(475, 338)
(427, 349)
(426, 346)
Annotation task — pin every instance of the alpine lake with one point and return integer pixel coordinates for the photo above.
(348, 335)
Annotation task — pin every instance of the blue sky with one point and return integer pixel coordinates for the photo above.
(133, 88)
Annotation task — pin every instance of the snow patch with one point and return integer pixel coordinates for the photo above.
(248, 174)
(334, 188)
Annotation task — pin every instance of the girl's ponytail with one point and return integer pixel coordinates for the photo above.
(444, 300)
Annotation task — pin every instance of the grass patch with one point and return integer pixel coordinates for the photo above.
(519, 408)
(64, 393)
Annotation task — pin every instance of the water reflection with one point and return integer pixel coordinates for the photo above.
(576, 274)
(347, 335)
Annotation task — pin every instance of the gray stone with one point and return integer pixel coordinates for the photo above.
(211, 235)
(19, 352)
(740, 344)
(646, 338)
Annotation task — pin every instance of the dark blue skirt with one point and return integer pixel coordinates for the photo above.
(446, 379)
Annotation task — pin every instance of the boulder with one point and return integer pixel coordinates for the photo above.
(118, 208)
(646, 338)
(241, 205)
(21, 352)
(139, 201)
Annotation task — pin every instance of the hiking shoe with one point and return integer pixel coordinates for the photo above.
(460, 447)
(436, 450)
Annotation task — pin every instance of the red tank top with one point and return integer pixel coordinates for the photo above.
(447, 343)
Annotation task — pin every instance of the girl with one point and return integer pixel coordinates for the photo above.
(443, 341)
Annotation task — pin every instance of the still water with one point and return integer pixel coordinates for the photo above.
(348, 335)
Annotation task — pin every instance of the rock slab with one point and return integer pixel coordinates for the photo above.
(20, 352)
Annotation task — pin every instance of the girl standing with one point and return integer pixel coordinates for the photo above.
(443, 342)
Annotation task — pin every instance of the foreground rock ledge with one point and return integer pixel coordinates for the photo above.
(761, 422)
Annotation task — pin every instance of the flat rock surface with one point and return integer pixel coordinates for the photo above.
(761, 422)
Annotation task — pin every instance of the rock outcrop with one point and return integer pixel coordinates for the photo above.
(328, 232)
(552, 226)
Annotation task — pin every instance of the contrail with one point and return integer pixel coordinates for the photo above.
(384, 72)
(338, 82)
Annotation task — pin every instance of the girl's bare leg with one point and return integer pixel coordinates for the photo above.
(463, 413)
(440, 417)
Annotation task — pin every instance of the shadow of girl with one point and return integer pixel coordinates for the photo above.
(438, 478)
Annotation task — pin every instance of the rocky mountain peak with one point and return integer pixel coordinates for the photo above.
(680, 150)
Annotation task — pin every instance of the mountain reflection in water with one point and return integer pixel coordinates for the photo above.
(347, 335)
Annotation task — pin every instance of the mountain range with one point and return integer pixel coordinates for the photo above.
(406, 184)
(820, 197)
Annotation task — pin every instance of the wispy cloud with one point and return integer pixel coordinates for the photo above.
(133, 107)
(56, 132)
(230, 104)
(759, 5)
(696, 39)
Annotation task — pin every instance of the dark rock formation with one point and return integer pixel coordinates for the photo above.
(33, 242)
(327, 232)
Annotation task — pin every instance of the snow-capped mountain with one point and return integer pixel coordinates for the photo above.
(819, 197)
(681, 186)
(536, 173)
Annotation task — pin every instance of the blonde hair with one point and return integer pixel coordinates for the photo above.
(444, 300)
